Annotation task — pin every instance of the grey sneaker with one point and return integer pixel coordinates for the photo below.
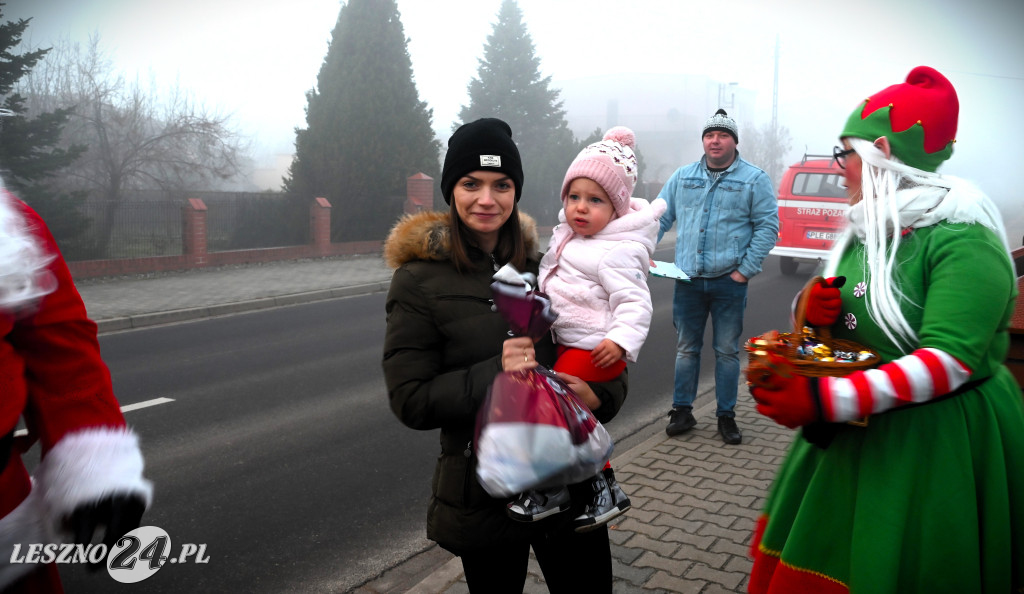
(680, 420)
(535, 505)
(607, 502)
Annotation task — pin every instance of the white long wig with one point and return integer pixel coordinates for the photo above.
(895, 197)
(23, 274)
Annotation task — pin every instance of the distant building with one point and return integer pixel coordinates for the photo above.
(666, 111)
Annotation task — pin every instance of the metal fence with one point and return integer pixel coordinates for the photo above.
(252, 221)
(116, 230)
(150, 224)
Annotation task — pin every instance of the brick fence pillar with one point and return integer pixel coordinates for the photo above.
(320, 224)
(193, 230)
(419, 193)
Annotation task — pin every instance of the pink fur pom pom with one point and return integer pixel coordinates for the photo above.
(621, 135)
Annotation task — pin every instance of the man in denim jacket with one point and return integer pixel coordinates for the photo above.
(726, 219)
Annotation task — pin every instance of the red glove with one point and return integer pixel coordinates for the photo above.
(824, 303)
(782, 396)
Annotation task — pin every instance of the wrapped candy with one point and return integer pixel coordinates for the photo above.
(807, 351)
(806, 346)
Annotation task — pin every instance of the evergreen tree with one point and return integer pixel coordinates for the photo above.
(509, 86)
(367, 131)
(29, 153)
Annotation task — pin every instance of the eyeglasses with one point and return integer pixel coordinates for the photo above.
(839, 155)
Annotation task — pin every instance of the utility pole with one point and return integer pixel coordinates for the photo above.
(775, 89)
(776, 162)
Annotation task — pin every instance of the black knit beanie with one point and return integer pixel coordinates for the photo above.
(483, 145)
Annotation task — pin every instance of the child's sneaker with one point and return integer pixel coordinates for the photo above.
(538, 504)
(607, 502)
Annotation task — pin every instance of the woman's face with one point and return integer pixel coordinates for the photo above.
(484, 201)
(851, 174)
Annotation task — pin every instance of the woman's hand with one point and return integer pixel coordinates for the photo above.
(582, 390)
(517, 354)
(824, 303)
(783, 396)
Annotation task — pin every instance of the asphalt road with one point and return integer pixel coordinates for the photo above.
(278, 452)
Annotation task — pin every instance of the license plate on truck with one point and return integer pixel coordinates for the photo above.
(826, 235)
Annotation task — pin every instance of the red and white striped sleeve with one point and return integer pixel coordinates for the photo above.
(918, 377)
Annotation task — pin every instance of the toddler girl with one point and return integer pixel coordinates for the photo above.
(595, 272)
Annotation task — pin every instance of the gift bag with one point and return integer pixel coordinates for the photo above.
(533, 431)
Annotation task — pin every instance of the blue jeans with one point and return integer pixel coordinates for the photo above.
(725, 299)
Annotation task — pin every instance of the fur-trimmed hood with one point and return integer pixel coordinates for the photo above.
(425, 236)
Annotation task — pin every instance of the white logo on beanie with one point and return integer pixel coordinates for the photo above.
(490, 161)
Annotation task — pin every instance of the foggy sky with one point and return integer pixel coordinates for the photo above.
(257, 58)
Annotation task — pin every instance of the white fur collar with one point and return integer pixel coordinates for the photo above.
(23, 274)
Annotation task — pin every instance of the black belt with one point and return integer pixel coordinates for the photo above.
(821, 433)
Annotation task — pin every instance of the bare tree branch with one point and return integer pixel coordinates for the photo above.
(135, 138)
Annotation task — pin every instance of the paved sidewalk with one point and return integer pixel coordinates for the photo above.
(133, 302)
(695, 503)
(695, 500)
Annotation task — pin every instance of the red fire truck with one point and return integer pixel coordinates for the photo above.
(812, 209)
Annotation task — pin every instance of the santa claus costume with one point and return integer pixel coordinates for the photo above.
(53, 379)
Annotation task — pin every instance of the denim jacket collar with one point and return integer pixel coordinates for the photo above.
(731, 167)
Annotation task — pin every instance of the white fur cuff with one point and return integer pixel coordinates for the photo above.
(89, 465)
(23, 526)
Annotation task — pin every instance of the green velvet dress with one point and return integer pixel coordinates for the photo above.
(924, 499)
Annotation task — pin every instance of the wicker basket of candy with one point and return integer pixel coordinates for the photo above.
(811, 352)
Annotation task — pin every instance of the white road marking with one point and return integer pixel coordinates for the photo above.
(124, 409)
(146, 404)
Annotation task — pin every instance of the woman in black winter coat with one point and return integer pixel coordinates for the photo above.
(444, 346)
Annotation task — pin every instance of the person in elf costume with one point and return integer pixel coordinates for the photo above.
(52, 377)
(928, 495)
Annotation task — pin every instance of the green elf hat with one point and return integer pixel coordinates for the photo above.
(918, 117)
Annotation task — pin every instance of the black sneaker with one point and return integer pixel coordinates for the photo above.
(535, 505)
(619, 496)
(730, 432)
(680, 420)
(606, 503)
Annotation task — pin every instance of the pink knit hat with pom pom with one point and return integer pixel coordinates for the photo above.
(611, 163)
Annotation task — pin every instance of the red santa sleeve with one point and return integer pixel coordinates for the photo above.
(88, 451)
(68, 383)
